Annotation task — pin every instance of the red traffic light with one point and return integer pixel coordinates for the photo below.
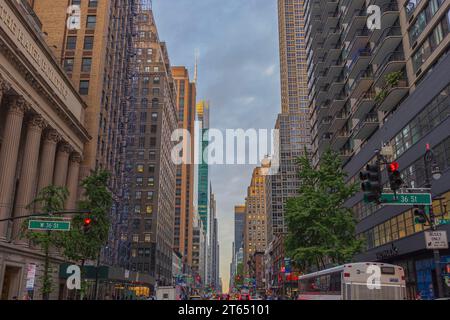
(394, 166)
(87, 221)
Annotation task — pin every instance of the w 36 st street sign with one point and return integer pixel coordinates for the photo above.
(42, 225)
(405, 199)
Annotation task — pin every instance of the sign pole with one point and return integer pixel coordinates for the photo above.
(428, 159)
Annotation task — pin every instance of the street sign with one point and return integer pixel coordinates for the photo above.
(406, 199)
(55, 225)
(436, 240)
(442, 221)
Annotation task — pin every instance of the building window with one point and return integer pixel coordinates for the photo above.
(140, 168)
(149, 209)
(91, 22)
(135, 238)
(138, 195)
(150, 195)
(68, 64)
(88, 43)
(71, 43)
(151, 182)
(93, 3)
(137, 209)
(86, 65)
(84, 87)
(147, 237)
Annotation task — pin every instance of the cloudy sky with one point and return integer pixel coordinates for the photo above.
(238, 74)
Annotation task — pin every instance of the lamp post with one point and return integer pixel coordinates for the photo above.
(432, 166)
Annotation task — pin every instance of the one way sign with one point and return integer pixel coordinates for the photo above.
(436, 240)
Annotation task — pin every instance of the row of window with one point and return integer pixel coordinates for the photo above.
(91, 3)
(402, 225)
(423, 18)
(431, 42)
(71, 43)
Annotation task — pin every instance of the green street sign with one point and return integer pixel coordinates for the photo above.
(406, 199)
(442, 221)
(42, 225)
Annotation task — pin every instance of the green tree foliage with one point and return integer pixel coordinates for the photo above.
(78, 245)
(319, 225)
(49, 200)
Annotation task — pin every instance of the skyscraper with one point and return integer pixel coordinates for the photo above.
(239, 216)
(203, 167)
(386, 86)
(213, 250)
(184, 201)
(151, 173)
(293, 122)
(255, 219)
(95, 56)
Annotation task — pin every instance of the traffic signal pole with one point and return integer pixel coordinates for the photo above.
(428, 159)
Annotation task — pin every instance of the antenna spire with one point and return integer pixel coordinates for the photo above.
(197, 55)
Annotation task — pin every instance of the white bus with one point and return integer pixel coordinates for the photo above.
(355, 281)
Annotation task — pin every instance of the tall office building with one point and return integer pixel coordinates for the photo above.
(255, 218)
(151, 173)
(95, 56)
(213, 248)
(386, 86)
(203, 171)
(239, 217)
(184, 201)
(293, 122)
(42, 138)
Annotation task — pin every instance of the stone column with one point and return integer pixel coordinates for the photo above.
(47, 165)
(4, 88)
(28, 174)
(72, 181)
(61, 165)
(8, 158)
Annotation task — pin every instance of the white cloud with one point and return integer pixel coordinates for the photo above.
(270, 71)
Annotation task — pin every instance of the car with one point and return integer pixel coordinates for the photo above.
(195, 298)
(244, 296)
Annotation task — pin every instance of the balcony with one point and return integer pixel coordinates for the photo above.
(353, 7)
(331, 21)
(356, 25)
(389, 14)
(391, 95)
(394, 62)
(323, 110)
(339, 121)
(391, 38)
(339, 139)
(322, 94)
(366, 126)
(337, 103)
(345, 155)
(324, 143)
(361, 83)
(364, 104)
(332, 56)
(360, 61)
(357, 43)
(332, 40)
(323, 126)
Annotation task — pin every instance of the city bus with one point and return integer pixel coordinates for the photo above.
(355, 281)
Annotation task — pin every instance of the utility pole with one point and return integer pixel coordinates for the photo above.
(429, 164)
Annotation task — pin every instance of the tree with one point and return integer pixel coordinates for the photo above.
(50, 199)
(319, 226)
(77, 244)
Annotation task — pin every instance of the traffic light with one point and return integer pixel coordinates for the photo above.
(87, 224)
(371, 183)
(395, 180)
(420, 215)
